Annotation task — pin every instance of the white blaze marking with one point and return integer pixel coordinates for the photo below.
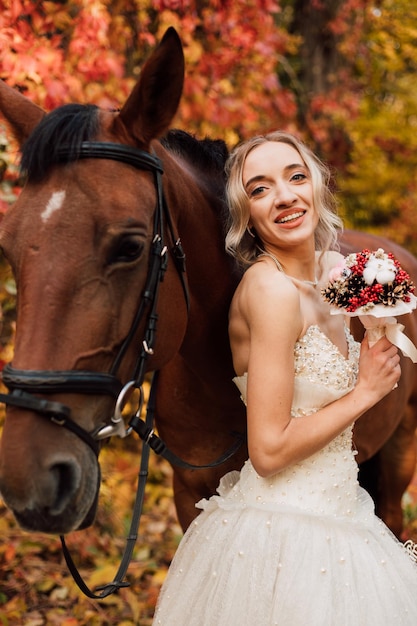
(55, 202)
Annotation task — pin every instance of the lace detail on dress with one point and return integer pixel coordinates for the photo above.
(342, 442)
(327, 367)
(411, 549)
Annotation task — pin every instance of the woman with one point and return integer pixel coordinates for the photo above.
(292, 539)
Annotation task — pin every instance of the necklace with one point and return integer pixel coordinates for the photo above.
(313, 283)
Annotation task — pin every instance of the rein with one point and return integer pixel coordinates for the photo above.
(22, 384)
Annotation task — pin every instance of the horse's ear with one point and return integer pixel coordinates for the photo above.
(21, 114)
(151, 106)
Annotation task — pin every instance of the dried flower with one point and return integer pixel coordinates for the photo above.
(366, 279)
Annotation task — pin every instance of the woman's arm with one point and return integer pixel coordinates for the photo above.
(271, 307)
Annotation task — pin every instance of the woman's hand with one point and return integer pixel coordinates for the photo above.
(379, 368)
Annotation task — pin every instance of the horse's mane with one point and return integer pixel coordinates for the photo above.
(69, 125)
(207, 155)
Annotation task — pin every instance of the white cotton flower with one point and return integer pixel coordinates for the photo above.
(380, 269)
(385, 277)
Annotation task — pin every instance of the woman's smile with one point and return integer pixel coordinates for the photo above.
(290, 218)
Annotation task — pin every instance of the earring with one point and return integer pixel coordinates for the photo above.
(248, 230)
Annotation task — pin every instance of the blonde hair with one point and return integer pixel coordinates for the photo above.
(245, 246)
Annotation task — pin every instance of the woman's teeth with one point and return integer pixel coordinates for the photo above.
(288, 218)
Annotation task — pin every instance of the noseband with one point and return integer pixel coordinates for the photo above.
(24, 383)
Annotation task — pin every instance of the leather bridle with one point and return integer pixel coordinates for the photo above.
(23, 384)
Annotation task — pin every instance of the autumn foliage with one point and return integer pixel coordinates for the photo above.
(340, 73)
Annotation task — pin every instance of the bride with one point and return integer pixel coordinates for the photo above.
(292, 539)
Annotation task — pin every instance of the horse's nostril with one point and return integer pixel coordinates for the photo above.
(65, 482)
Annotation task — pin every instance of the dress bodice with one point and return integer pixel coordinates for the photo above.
(322, 374)
(326, 481)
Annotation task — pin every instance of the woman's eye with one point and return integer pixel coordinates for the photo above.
(298, 177)
(256, 191)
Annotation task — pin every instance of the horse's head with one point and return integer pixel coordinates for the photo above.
(88, 254)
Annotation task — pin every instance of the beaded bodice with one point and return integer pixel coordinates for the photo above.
(326, 482)
(318, 362)
(322, 375)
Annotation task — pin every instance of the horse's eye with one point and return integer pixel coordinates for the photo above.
(127, 250)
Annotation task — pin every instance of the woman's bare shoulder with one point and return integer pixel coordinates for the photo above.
(264, 279)
(262, 293)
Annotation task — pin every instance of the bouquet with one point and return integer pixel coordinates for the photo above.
(374, 287)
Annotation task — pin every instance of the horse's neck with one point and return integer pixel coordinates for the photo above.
(198, 213)
(212, 279)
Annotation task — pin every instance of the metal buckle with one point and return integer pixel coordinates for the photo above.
(117, 426)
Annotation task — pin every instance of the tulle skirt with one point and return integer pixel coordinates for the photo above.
(247, 566)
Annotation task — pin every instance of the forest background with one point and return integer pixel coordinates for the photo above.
(339, 73)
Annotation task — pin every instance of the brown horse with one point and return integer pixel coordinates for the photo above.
(81, 243)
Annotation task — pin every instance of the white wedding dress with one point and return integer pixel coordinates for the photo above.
(301, 548)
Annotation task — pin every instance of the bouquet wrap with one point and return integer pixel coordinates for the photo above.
(376, 327)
